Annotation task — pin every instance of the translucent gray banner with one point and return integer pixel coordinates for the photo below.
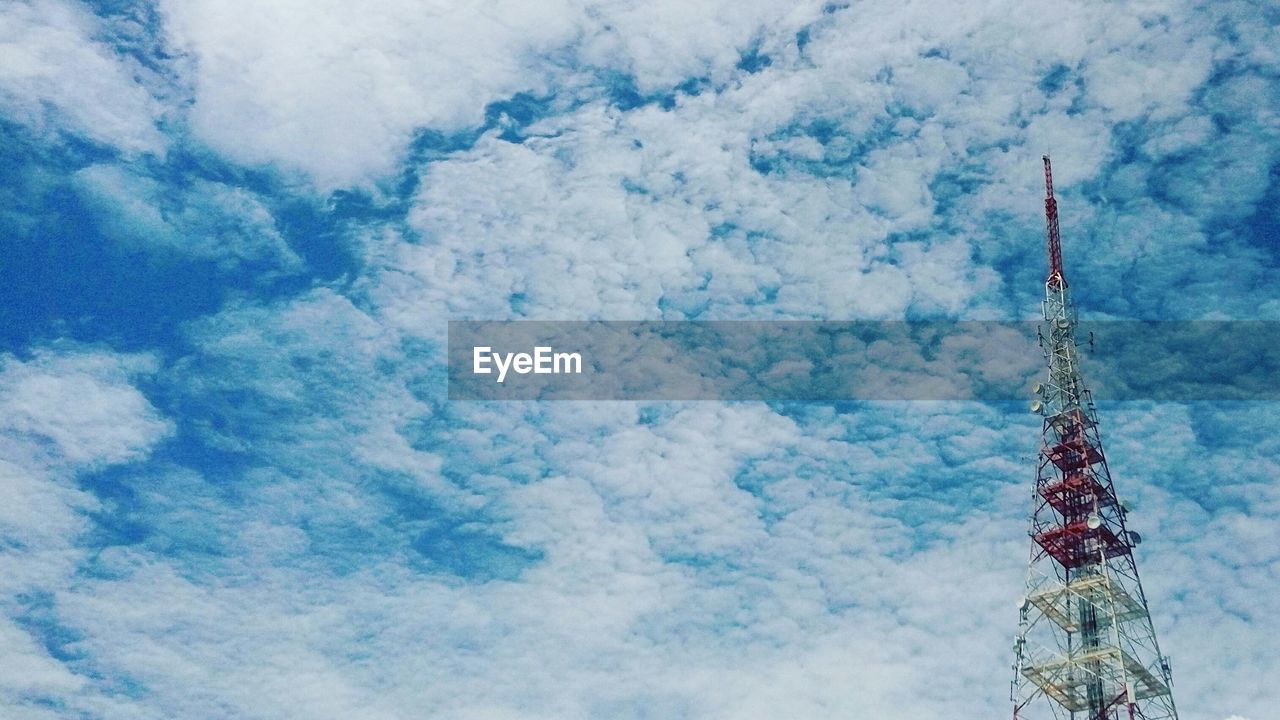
(842, 361)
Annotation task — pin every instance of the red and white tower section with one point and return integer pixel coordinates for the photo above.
(1086, 648)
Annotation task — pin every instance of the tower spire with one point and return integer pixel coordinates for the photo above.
(1086, 648)
(1051, 227)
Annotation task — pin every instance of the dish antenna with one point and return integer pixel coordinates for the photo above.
(1094, 521)
(1134, 538)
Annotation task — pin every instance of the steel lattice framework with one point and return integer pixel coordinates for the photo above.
(1085, 648)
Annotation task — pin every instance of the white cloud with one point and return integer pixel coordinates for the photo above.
(336, 90)
(208, 220)
(792, 616)
(608, 214)
(78, 408)
(60, 412)
(55, 74)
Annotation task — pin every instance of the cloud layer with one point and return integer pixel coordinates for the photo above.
(233, 486)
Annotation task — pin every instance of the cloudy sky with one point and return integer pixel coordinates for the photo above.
(232, 233)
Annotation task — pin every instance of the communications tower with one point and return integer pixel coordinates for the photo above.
(1085, 648)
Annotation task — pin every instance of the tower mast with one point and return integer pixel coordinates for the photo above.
(1085, 648)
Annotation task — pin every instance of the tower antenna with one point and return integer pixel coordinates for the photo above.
(1056, 278)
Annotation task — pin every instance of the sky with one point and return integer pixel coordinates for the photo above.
(232, 234)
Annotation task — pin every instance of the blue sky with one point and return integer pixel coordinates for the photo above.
(232, 233)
